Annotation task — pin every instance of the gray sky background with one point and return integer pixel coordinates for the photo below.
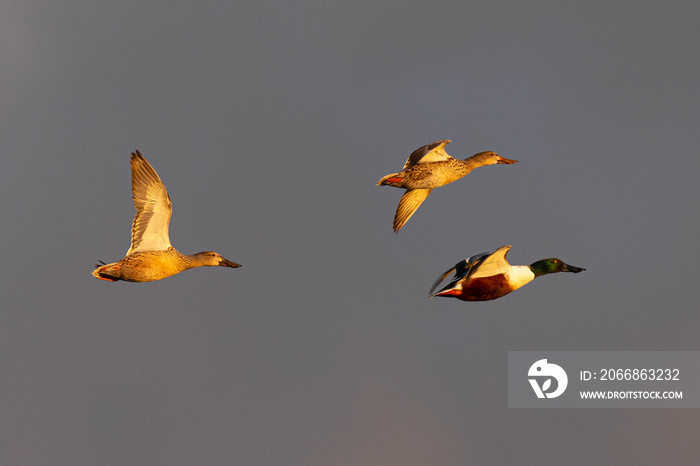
(270, 123)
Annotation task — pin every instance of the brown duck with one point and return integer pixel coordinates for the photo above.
(431, 167)
(151, 257)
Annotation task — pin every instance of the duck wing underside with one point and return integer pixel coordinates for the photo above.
(485, 264)
(149, 231)
(491, 263)
(409, 203)
(433, 152)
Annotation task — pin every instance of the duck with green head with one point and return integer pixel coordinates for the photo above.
(489, 276)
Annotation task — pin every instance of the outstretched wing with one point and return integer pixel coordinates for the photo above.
(468, 268)
(149, 232)
(493, 263)
(441, 278)
(410, 201)
(433, 152)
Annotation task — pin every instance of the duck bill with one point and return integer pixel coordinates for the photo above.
(571, 268)
(228, 263)
(506, 161)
